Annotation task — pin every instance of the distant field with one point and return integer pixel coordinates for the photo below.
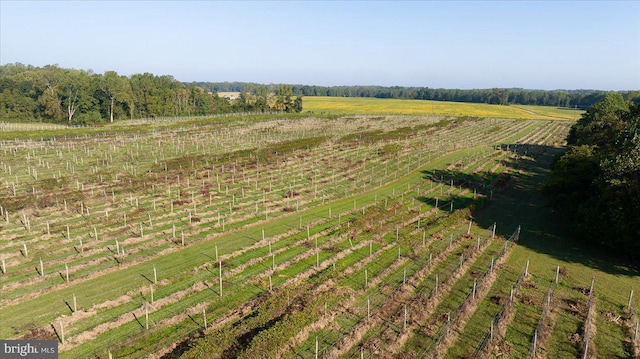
(366, 105)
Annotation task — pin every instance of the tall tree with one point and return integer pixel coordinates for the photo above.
(595, 184)
(50, 78)
(75, 89)
(115, 88)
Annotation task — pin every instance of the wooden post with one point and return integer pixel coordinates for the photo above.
(270, 284)
(492, 262)
(41, 268)
(526, 269)
(66, 268)
(586, 348)
(557, 274)
(182, 237)
(366, 278)
(155, 274)
(117, 247)
(26, 252)
(204, 315)
(493, 231)
(475, 283)
(75, 304)
(220, 270)
(491, 330)
(146, 315)
(368, 308)
(404, 276)
(469, 229)
(61, 331)
(404, 325)
(316, 353)
(4, 267)
(436, 288)
(628, 305)
(68, 233)
(151, 292)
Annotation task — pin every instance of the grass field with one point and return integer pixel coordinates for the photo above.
(293, 236)
(366, 105)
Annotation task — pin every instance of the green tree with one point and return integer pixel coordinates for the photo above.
(595, 183)
(76, 93)
(50, 98)
(601, 121)
(117, 90)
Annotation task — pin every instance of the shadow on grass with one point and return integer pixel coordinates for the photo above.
(514, 199)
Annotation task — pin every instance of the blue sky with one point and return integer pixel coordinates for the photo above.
(453, 44)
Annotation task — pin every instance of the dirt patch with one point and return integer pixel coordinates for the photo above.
(528, 299)
(503, 349)
(576, 307)
(499, 299)
(564, 272)
(613, 317)
(575, 338)
(37, 333)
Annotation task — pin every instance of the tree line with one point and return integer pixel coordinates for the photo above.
(581, 99)
(595, 183)
(70, 96)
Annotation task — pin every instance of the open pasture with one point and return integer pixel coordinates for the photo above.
(367, 105)
(290, 236)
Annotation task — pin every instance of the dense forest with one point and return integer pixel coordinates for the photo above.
(70, 96)
(595, 183)
(561, 98)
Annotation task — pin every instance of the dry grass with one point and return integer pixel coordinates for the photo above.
(366, 105)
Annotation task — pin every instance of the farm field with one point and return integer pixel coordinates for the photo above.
(301, 236)
(367, 105)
